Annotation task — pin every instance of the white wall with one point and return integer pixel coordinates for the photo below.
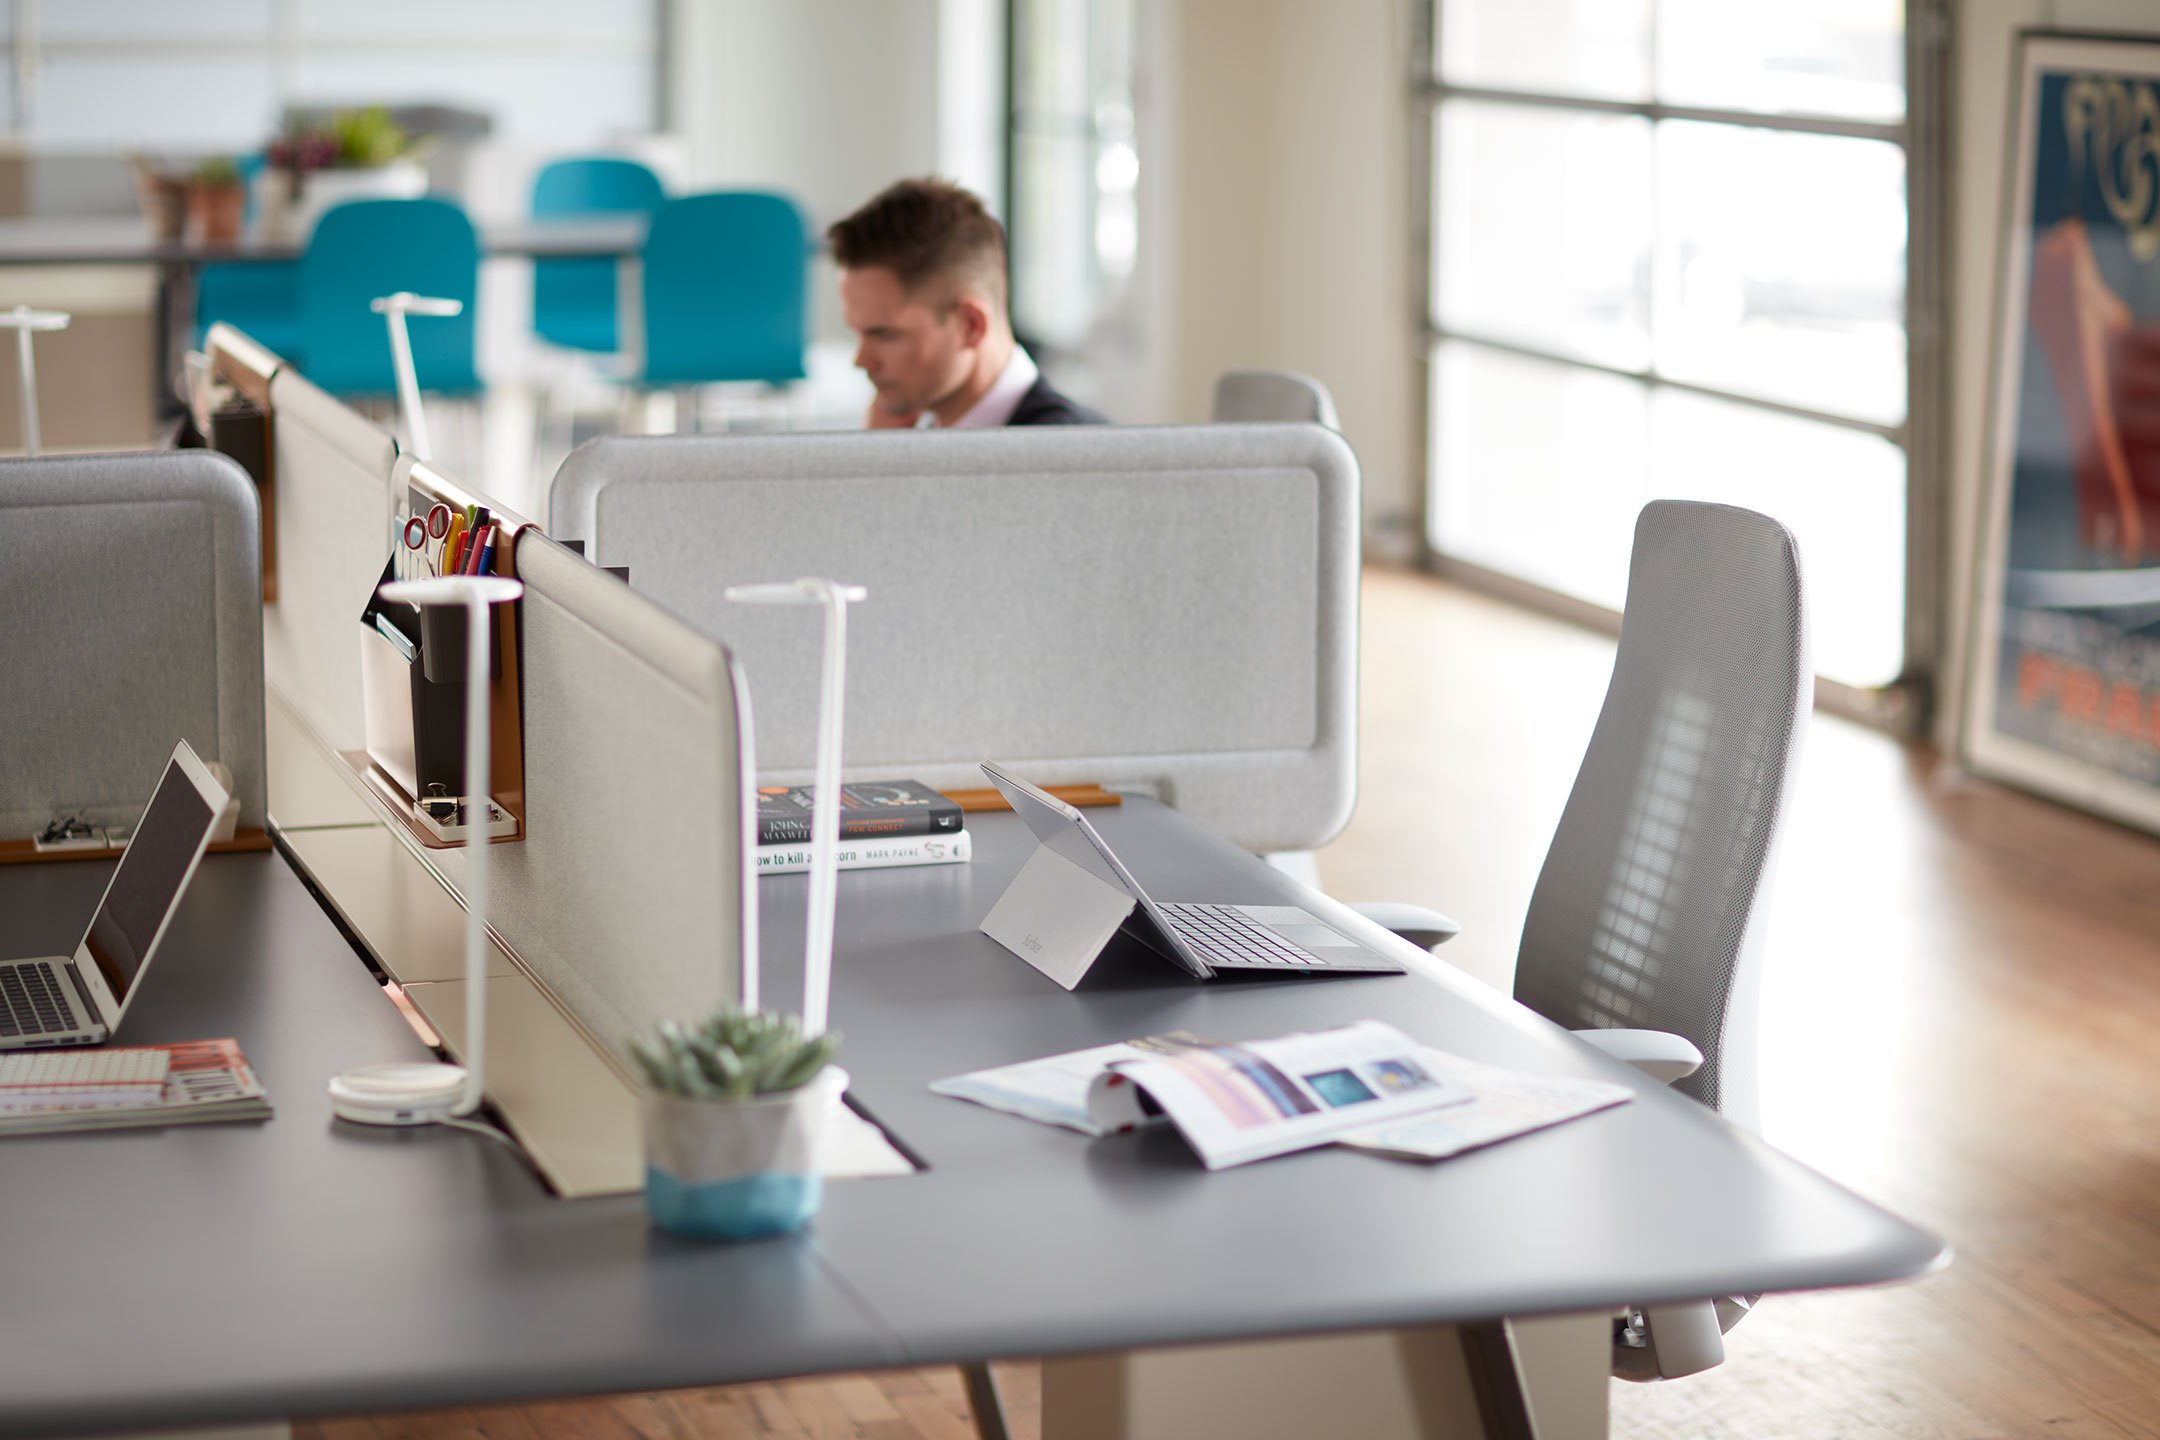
(1291, 242)
(832, 101)
(1984, 47)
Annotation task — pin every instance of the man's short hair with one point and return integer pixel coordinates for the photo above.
(926, 232)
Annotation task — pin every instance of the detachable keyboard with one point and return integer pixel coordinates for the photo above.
(1224, 935)
(31, 1002)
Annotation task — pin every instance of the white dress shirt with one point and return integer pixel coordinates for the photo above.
(1003, 397)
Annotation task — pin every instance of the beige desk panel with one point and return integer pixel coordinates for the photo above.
(576, 1117)
(410, 923)
(309, 788)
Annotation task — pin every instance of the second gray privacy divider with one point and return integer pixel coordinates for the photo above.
(1171, 610)
(130, 593)
(630, 896)
(334, 508)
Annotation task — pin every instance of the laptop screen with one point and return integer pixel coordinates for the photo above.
(153, 868)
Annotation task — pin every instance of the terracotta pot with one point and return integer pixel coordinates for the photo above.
(164, 204)
(214, 212)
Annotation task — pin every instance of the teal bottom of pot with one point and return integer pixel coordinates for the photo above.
(740, 1209)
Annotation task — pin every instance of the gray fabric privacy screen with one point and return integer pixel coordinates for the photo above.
(630, 896)
(334, 508)
(131, 593)
(1168, 610)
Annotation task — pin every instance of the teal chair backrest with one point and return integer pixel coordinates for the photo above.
(574, 300)
(725, 278)
(369, 248)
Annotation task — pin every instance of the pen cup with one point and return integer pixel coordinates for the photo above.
(737, 1169)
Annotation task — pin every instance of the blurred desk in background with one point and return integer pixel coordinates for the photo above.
(158, 323)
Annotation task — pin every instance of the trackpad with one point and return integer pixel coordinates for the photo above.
(1314, 937)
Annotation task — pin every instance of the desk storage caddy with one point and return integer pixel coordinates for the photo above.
(412, 680)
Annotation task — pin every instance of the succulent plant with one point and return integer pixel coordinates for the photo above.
(732, 1055)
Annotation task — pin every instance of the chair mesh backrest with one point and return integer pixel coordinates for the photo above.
(1645, 915)
(1265, 396)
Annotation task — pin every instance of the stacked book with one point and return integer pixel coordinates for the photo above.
(882, 823)
(118, 1088)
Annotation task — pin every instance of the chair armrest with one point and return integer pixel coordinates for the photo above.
(1414, 923)
(1661, 1055)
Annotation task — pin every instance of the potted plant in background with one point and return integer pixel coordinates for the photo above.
(216, 201)
(734, 1108)
(161, 193)
(360, 154)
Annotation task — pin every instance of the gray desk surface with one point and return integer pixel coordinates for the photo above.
(305, 1267)
(125, 240)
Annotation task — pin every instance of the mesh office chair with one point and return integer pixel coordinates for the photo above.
(1244, 397)
(1645, 928)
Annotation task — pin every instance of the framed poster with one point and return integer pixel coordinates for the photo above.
(2063, 684)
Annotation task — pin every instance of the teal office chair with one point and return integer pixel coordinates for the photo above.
(258, 297)
(725, 291)
(364, 249)
(574, 301)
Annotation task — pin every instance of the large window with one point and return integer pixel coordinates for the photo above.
(1669, 253)
(1074, 172)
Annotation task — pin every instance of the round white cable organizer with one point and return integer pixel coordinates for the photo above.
(423, 1093)
(413, 1094)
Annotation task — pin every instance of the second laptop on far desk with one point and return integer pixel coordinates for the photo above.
(1074, 894)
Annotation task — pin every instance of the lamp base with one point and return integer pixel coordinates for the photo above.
(398, 1094)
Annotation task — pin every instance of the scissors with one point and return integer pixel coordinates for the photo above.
(438, 527)
(416, 539)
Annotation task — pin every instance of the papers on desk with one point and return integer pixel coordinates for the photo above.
(1365, 1085)
(201, 1081)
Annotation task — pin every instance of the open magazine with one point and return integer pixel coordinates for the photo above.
(1366, 1085)
(200, 1081)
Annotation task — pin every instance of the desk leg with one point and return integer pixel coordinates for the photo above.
(1416, 1384)
(175, 324)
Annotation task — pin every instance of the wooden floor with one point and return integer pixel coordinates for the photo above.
(1962, 1020)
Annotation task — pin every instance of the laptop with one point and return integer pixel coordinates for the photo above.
(1074, 894)
(78, 999)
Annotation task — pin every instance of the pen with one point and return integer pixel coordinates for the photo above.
(487, 552)
(450, 545)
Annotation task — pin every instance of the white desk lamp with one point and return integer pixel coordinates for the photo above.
(25, 322)
(394, 309)
(428, 1094)
(825, 809)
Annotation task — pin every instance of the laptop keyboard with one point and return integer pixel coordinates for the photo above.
(1224, 936)
(31, 1002)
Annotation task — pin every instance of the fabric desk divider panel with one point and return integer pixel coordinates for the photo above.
(243, 430)
(1165, 610)
(131, 588)
(334, 512)
(630, 897)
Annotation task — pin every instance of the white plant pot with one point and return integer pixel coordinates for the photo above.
(282, 216)
(737, 1169)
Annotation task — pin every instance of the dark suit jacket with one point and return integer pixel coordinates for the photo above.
(1043, 405)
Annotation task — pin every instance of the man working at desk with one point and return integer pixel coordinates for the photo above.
(923, 283)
